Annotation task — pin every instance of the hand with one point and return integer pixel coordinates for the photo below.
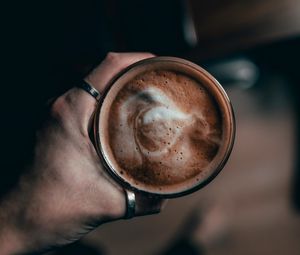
(66, 192)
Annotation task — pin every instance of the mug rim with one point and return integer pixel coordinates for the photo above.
(114, 173)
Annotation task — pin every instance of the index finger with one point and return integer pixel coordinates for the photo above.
(111, 65)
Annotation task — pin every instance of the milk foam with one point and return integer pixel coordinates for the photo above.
(163, 134)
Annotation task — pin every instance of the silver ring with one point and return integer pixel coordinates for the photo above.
(90, 89)
(130, 204)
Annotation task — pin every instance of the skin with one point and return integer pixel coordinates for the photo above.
(65, 191)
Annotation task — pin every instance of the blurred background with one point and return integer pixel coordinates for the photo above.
(251, 47)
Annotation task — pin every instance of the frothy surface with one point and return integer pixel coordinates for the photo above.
(164, 128)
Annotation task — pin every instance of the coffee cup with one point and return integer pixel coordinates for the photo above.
(164, 127)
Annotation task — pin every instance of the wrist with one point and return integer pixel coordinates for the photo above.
(11, 242)
(12, 238)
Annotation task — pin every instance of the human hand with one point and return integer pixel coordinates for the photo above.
(66, 192)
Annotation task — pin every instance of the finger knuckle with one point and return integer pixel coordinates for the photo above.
(112, 56)
(59, 108)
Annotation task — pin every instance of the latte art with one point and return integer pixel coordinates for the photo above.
(163, 129)
(154, 123)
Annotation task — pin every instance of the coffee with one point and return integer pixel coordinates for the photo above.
(161, 129)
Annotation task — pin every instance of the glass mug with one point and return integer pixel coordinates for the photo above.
(144, 89)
